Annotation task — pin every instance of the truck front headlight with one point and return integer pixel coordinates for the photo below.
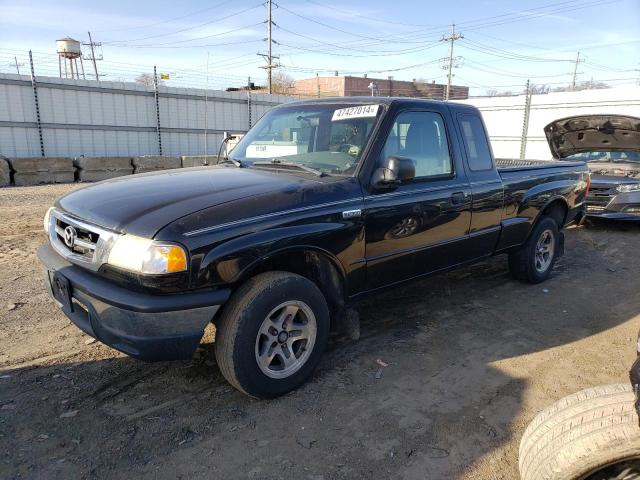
(47, 219)
(147, 256)
(629, 187)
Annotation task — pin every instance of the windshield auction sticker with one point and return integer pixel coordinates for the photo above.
(361, 111)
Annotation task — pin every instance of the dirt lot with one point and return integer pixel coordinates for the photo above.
(472, 356)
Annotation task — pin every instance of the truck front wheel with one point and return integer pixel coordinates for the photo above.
(534, 260)
(272, 333)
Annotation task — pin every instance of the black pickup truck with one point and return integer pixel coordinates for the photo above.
(322, 202)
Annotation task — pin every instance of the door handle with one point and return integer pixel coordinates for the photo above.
(457, 198)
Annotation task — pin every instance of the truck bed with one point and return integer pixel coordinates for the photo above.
(508, 164)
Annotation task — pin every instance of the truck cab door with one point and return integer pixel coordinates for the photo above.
(422, 225)
(486, 185)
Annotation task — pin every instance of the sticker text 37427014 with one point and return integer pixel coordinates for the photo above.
(360, 111)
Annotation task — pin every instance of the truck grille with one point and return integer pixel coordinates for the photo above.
(599, 198)
(79, 242)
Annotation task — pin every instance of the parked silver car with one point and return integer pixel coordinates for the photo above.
(610, 144)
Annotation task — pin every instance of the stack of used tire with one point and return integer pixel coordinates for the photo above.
(154, 163)
(37, 170)
(95, 169)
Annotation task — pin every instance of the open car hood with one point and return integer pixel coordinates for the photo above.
(593, 133)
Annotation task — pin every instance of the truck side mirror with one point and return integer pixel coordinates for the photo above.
(394, 171)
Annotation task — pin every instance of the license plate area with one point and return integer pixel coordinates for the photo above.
(61, 289)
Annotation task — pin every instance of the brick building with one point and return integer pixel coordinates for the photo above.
(347, 86)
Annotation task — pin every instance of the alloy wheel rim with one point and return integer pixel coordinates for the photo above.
(545, 248)
(621, 470)
(285, 339)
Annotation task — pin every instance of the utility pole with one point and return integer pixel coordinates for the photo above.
(18, 65)
(206, 108)
(157, 101)
(452, 38)
(93, 56)
(270, 40)
(525, 122)
(269, 55)
(575, 71)
(250, 121)
(34, 87)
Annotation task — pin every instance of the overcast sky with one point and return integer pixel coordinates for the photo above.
(505, 42)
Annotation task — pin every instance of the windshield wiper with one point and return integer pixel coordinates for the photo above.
(237, 163)
(276, 163)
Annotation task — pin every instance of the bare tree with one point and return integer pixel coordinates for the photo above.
(588, 85)
(282, 83)
(492, 92)
(146, 79)
(538, 89)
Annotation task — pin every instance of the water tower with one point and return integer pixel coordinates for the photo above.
(68, 53)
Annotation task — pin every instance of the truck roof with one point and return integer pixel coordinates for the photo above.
(399, 101)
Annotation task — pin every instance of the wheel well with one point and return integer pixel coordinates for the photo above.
(557, 210)
(311, 264)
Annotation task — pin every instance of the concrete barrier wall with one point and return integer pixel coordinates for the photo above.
(36, 170)
(39, 170)
(117, 119)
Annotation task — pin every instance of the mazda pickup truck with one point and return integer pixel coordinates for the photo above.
(321, 203)
(610, 144)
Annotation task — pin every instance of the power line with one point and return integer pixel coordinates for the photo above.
(168, 20)
(220, 34)
(373, 19)
(194, 27)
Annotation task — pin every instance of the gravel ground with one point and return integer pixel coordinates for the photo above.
(472, 356)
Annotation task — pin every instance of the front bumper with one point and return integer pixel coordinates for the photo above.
(608, 203)
(629, 217)
(144, 326)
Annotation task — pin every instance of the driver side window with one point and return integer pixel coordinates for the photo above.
(421, 137)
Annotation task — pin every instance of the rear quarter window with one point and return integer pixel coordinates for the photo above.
(475, 142)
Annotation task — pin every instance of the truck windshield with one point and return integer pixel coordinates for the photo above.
(328, 138)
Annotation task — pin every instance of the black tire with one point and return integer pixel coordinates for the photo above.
(237, 332)
(522, 262)
(582, 436)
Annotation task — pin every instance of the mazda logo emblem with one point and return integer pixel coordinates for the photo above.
(70, 235)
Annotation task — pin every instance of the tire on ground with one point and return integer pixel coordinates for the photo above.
(238, 326)
(522, 261)
(580, 434)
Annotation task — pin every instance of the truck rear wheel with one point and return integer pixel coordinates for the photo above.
(590, 435)
(271, 334)
(534, 261)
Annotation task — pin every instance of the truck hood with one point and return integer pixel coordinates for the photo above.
(593, 133)
(144, 203)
